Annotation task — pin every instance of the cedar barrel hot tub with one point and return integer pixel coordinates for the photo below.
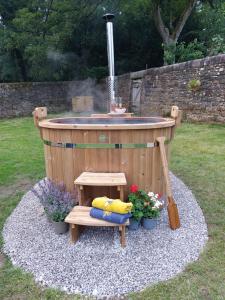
(107, 144)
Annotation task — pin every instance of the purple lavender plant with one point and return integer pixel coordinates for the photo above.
(57, 202)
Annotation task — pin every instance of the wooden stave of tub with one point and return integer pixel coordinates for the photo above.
(142, 166)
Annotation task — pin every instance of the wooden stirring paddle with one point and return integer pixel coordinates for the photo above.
(173, 214)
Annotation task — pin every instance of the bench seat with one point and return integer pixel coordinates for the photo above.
(80, 216)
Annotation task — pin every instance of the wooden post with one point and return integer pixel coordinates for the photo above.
(39, 114)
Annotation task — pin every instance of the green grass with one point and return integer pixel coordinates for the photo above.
(21, 151)
(198, 157)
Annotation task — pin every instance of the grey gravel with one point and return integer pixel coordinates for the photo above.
(96, 265)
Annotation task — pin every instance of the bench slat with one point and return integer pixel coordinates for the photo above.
(101, 179)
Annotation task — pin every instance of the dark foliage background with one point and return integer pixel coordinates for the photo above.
(51, 40)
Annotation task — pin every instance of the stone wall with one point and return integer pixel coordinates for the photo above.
(147, 92)
(20, 99)
(166, 86)
(124, 89)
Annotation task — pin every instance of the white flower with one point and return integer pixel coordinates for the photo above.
(158, 204)
(151, 194)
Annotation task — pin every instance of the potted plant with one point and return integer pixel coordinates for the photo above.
(137, 198)
(151, 211)
(58, 216)
(57, 203)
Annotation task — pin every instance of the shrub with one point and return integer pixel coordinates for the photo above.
(190, 51)
(57, 202)
(194, 85)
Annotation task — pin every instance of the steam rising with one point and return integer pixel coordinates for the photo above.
(88, 87)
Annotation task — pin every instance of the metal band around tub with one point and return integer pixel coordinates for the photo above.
(102, 146)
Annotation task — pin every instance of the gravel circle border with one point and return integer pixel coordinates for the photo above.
(96, 265)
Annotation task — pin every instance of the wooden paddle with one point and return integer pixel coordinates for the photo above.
(173, 214)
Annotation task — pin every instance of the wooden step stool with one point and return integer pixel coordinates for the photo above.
(100, 179)
(80, 216)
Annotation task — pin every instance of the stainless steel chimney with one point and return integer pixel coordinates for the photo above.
(110, 50)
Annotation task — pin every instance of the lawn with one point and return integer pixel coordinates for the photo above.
(198, 157)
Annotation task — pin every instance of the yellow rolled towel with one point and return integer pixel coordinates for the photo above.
(113, 205)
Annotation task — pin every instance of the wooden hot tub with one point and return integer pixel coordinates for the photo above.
(75, 145)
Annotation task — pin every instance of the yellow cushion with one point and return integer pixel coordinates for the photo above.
(113, 205)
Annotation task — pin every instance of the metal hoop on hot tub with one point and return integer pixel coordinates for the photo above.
(102, 146)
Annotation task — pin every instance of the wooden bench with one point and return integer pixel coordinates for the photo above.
(80, 217)
(100, 179)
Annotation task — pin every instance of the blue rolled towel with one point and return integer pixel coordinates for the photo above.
(109, 216)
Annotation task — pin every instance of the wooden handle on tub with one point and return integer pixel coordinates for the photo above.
(39, 114)
(176, 114)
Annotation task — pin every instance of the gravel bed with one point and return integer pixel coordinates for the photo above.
(96, 265)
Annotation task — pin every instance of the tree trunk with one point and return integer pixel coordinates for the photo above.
(170, 35)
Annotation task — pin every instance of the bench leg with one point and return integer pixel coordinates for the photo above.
(121, 190)
(122, 230)
(81, 195)
(74, 233)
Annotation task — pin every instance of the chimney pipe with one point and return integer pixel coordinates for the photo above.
(110, 51)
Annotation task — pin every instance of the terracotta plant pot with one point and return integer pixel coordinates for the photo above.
(149, 224)
(60, 227)
(134, 225)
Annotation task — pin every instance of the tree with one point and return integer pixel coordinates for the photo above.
(37, 37)
(171, 22)
(212, 29)
(48, 40)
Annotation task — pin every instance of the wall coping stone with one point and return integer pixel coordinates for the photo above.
(196, 63)
(31, 83)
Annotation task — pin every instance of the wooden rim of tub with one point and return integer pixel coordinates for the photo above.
(164, 122)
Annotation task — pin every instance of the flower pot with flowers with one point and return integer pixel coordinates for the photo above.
(137, 198)
(57, 203)
(151, 211)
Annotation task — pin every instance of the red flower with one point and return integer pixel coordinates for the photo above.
(133, 188)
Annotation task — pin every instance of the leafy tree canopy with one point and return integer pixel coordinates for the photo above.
(43, 40)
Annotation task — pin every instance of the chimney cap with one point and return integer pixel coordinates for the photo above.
(108, 17)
